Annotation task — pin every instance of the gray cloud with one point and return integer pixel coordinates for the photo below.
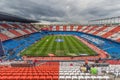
(74, 11)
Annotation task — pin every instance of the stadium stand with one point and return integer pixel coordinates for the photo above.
(104, 37)
(58, 50)
(3, 37)
(56, 71)
(46, 71)
(19, 44)
(102, 31)
(21, 36)
(15, 32)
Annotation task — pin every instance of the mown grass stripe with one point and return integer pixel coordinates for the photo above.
(85, 47)
(65, 46)
(49, 45)
(69, 46)
(77, 47)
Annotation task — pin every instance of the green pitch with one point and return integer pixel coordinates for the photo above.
(70, 46)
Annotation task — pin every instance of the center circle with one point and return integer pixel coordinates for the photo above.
(59, 40)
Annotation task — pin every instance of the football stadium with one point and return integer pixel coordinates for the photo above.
(59, 40)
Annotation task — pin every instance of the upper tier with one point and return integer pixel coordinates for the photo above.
(9, 31)
(108, 32)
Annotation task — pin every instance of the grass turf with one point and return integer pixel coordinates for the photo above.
(70, 46)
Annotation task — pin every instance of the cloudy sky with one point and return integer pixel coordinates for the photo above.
(73, 11)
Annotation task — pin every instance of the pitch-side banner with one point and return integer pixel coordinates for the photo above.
(1, 49)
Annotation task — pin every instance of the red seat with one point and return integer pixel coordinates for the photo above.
(17, 77)
(36, 77)
(30, 77)
(42, 77)
(10, 77)
(42, 72)
(22, 77)
(2, 77)
(55, 77)
(46, 74)
(48, 77)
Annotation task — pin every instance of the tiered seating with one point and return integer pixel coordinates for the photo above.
(61, 28)
(21, 31)
(26, 31)
(68, 28)
(118, 40)
(109, 32)
(71, 71)
(56, 71)
(20, 44)
(105, 31)
(74, 28)
(3, 37)
(71, 28)
(50, 28)
(87, 29)
(15, 25)
(9, 34)
(29, 28)
(99, 30)
(79, 27)
(57, 28)
(33, 29)
(110, 47)
(9, 31)
(15, 32)
(25, 26)
(6, 26)
(115, 36)
(92, 29)
(46, 71)
(112, 69)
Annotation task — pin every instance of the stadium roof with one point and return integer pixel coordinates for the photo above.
(14, 18)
